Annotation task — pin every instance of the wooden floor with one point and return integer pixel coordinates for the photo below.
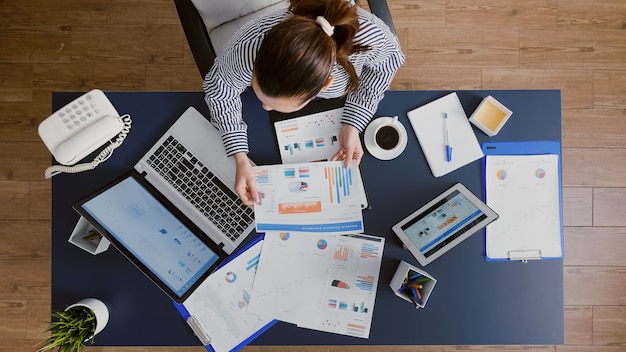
(578, 46)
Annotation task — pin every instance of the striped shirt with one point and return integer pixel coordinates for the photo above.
(231, 74)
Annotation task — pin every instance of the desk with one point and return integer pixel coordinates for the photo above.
(474, 302)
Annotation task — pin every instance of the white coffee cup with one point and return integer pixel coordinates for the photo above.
(385, 138)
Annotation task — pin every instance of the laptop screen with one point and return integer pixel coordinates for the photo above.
(151, 235)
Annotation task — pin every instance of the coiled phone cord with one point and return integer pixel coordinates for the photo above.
(102, 157)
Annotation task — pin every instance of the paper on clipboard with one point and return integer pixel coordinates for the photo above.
(523, 185)
(217, 310)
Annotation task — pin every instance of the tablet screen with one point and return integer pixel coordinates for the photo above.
(443, 222)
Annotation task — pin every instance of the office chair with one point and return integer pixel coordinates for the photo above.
(208, 24)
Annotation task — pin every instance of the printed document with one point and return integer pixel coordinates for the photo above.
(307, 197)
(319, 281)
(524, 191)
(220, 303)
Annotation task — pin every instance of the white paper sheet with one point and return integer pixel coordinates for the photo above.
(220, 303)
(319, 281)
(307, 197)
(524, 191)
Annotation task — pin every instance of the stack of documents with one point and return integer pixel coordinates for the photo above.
(325, 282)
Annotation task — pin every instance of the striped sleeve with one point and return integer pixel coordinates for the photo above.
(229, 76)
(379, 67)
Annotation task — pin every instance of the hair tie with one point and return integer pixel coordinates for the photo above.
(326, 27)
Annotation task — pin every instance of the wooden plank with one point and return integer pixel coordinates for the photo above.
(20, 119)
(385, 348)
(141, 44)
(610, 88)
(418, 14)
(577, 206)
(498, 14)
(25, 240)
(499, 348)
(16, 82)
(463, 48)
(145, 12)
(575, 49)
(604, 14)
(609, 325)
(56, 12)
(594, 128)
(40, 200)
(13, 315)
(608, 206)
(422, 78)
(27, 44)
(173, 78)
(37, 319)
(25, 279)
(578, 325)
(82, 76)
(594, 285)
(15, 196)
(589, 349)
(595, 246)
(23, 160)
(594, 167)
(576, 85)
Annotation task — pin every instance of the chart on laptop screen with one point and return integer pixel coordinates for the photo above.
(152, 234)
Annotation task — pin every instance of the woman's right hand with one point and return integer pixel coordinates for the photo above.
(245, 183)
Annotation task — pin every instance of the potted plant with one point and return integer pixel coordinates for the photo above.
(76, 326)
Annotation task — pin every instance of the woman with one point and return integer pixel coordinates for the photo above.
(314, 49)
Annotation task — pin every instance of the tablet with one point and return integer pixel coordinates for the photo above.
(443, 223)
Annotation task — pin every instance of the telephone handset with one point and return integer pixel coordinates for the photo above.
(81, 127)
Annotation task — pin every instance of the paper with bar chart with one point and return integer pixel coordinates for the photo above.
(307, 197)
(319, 281)
(314, 138)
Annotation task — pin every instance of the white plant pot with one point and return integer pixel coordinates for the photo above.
(98, 307)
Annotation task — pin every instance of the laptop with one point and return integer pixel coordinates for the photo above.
(175, 214)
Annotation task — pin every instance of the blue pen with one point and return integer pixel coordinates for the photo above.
(445, 129)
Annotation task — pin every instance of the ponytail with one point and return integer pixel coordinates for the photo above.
(297, 55)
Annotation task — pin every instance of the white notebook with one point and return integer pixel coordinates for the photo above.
(428, 124)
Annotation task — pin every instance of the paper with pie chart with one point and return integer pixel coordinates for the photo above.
(220, 304)
(319, 281)
(524, 191)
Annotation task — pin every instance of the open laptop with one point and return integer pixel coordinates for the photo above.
(175, 215)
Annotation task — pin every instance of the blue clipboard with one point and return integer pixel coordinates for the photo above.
(185, 314)
(526, 148)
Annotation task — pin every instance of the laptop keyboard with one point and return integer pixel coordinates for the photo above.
(202, 188)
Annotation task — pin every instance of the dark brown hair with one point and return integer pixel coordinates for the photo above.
(297, 56)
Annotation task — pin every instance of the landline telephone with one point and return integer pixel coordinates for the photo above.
(79, 128)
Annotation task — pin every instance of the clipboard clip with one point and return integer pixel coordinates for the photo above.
(525, 255)
(198, 331)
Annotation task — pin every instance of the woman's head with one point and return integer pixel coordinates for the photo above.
(295, 60)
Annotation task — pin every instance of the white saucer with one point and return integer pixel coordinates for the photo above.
(370, 142)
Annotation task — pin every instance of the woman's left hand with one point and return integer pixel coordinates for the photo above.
(350, 147)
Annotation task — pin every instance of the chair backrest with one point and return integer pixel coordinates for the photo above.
(209, 24)
(217, 12)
